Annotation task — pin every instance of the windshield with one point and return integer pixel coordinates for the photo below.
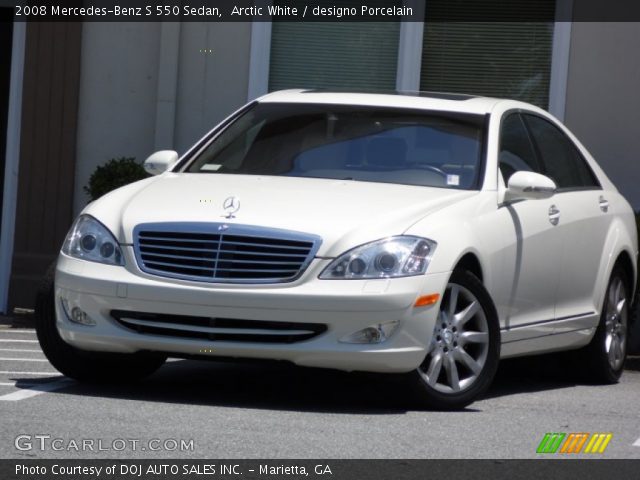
(372, 144)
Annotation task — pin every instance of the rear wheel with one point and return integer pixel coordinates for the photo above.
(463, 355)
(80, 364)
(604, 357)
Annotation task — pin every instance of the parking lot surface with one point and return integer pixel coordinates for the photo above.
(192, 409)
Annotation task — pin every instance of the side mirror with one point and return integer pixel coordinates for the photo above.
(529, 186)
(160, 162)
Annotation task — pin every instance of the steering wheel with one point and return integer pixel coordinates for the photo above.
(432, 169)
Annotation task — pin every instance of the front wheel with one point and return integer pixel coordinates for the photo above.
(463, 355)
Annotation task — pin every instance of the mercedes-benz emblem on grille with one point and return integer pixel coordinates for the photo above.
(231, 205)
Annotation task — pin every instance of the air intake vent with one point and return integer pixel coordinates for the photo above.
(217, 329)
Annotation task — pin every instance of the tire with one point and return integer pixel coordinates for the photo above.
(605, 355)
(633, 344)
(463, 356)
(81, 365)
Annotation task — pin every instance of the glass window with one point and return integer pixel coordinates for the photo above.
(360, 143)
(561, 159)
(496, 59)
(516, 151)
(334, 55)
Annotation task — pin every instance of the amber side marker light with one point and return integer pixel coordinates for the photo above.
(426, 300)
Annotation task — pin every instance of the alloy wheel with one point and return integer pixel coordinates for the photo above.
(616, 324)
(459, 345)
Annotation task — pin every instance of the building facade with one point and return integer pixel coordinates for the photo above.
(78, 94)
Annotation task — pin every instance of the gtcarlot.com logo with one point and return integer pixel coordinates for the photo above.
(574, 443)
(45, 442)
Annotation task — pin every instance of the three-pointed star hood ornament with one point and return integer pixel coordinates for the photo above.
(231, 205)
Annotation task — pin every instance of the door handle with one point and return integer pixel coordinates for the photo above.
(554, 215)
(604, 204)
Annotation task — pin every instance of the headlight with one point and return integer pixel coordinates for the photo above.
(401, 256)
(89, 240)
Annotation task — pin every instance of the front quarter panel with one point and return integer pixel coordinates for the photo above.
(109, 208)
(474, 226)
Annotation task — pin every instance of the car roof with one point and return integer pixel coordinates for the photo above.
(420, 100)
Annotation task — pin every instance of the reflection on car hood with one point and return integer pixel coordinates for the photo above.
(344, 213)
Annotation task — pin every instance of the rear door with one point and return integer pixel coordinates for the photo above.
(583, 221)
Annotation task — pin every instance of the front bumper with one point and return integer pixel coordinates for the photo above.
(344, 306)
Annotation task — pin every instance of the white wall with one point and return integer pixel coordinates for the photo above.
(603, 99)
(121, 65)
(210, 85)
(117, 104)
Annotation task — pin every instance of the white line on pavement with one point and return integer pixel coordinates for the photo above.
(13, 340)
(34, 390)
(24, 359)
(19, 350)
(6, 384)
(8, 372)
(11, 330)
(636, 443)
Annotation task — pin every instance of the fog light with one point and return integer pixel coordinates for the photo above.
(79, 316)
(373, 334)
(76, 314)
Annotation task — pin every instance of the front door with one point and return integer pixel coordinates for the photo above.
(535, 254)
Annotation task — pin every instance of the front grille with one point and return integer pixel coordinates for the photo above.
(217, 329)
(215, 252)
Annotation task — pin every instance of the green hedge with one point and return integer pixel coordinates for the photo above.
(116, 173)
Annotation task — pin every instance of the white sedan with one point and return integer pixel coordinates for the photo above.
(425, 235)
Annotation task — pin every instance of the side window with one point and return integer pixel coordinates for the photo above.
(516, 151)
(561, 159)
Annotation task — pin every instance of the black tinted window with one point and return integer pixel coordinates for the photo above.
(516, 151)
(561, 159)
(350, 142)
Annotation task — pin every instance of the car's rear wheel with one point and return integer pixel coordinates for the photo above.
(80, 364)
(463, 355)
(605, 355)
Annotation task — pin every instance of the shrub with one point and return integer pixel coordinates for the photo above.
(116, 173)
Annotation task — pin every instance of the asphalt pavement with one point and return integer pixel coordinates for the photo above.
(192, 409)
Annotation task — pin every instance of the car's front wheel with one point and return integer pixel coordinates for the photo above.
(80, 364)
(463, 355)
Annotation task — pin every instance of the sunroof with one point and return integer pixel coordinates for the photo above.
(438, 95)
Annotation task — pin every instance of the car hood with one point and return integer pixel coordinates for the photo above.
(343, 213)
